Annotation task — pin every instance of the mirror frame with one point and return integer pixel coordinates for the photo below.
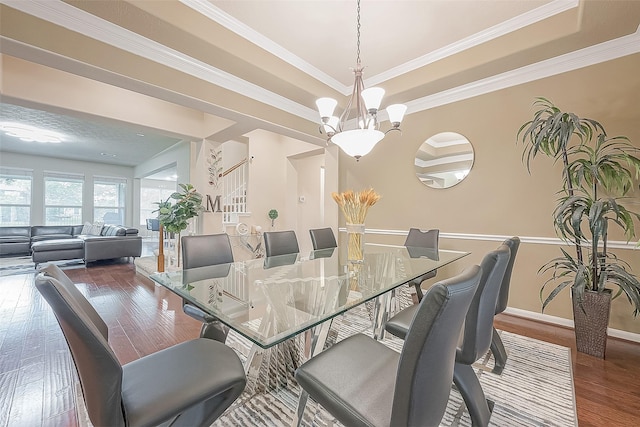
(456, 148)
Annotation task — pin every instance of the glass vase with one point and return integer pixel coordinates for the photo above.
(355, 243)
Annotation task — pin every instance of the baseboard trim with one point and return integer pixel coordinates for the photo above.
(561, 321)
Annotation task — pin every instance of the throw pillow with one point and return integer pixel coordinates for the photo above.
(96, 228)
(86, 228)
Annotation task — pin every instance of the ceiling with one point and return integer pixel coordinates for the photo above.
(246, 65)
(82, 139)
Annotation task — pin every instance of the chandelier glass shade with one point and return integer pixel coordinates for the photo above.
(357, 130)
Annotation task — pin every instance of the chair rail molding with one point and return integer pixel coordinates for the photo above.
(615, 244)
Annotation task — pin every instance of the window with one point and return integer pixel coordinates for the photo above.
(15, 197)
(151, 192)
(62, 198)
(109, 196)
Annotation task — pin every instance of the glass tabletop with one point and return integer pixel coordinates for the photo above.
(270, 300)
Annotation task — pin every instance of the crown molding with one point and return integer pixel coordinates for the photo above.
(74, 19)
(592, 55)
(528, 18)
(543, 12)
(229, 22)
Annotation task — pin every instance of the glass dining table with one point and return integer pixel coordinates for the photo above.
(270, 300)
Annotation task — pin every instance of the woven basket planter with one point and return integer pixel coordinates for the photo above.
(592, 322)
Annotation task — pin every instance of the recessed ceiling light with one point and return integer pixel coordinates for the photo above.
(31, 133)
(107, 154)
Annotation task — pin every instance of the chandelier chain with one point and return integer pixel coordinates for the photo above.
(358, 36)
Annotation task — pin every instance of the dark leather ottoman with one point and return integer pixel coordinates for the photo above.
(56, 250)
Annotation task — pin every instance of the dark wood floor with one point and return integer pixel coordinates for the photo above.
(37, 377)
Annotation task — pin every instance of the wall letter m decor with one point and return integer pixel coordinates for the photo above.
(213, 206)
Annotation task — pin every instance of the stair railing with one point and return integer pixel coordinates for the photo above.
(234, 196)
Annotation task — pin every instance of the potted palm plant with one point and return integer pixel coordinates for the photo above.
(174, 217)
(598, 172)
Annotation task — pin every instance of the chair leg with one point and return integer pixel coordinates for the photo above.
(468, 384)
(215, 330)
(499, 353)
(302, 404)
(419, 293)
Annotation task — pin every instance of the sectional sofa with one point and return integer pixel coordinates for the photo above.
(54, 243)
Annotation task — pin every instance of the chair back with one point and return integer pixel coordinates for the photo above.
(153, 224)
(478, 325)
(422, 243)
(322, 238)
(425, 370)
(322, 253)
(280, 260)
(54, 271)
(280, 243)
(205, 250)
(423, 239)
(503, 297)
(98, 368)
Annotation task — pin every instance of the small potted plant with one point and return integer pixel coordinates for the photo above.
(273, 215)
(598, 171)
(174, 217)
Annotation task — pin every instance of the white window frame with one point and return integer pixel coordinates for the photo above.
(122, 196)
(22, 174)
(63, 177)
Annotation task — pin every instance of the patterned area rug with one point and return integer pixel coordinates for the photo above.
(535, 388)
(24, 265)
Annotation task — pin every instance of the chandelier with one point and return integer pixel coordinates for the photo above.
(357, 131)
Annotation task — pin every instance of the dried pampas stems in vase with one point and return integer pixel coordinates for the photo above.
(354, 206)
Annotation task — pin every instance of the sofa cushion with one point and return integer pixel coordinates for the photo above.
(113, 230)
(13, 232)
(43, 230)
(45, 237)
(57, 245)
(14, 239)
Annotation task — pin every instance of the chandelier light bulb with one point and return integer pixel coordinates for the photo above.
(372, 97)
(326, 106)
(396, 113)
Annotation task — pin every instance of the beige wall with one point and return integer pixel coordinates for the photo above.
(499, 198)
(273, 180)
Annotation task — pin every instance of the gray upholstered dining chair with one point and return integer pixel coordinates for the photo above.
(189, 384)
(497, 347)
(426, 240)
(280, 243)
(364, 383)
(280, 260)
(476, 335)
(323, 238)
(203, 251)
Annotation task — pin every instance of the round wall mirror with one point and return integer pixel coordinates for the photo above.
(444, 160)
